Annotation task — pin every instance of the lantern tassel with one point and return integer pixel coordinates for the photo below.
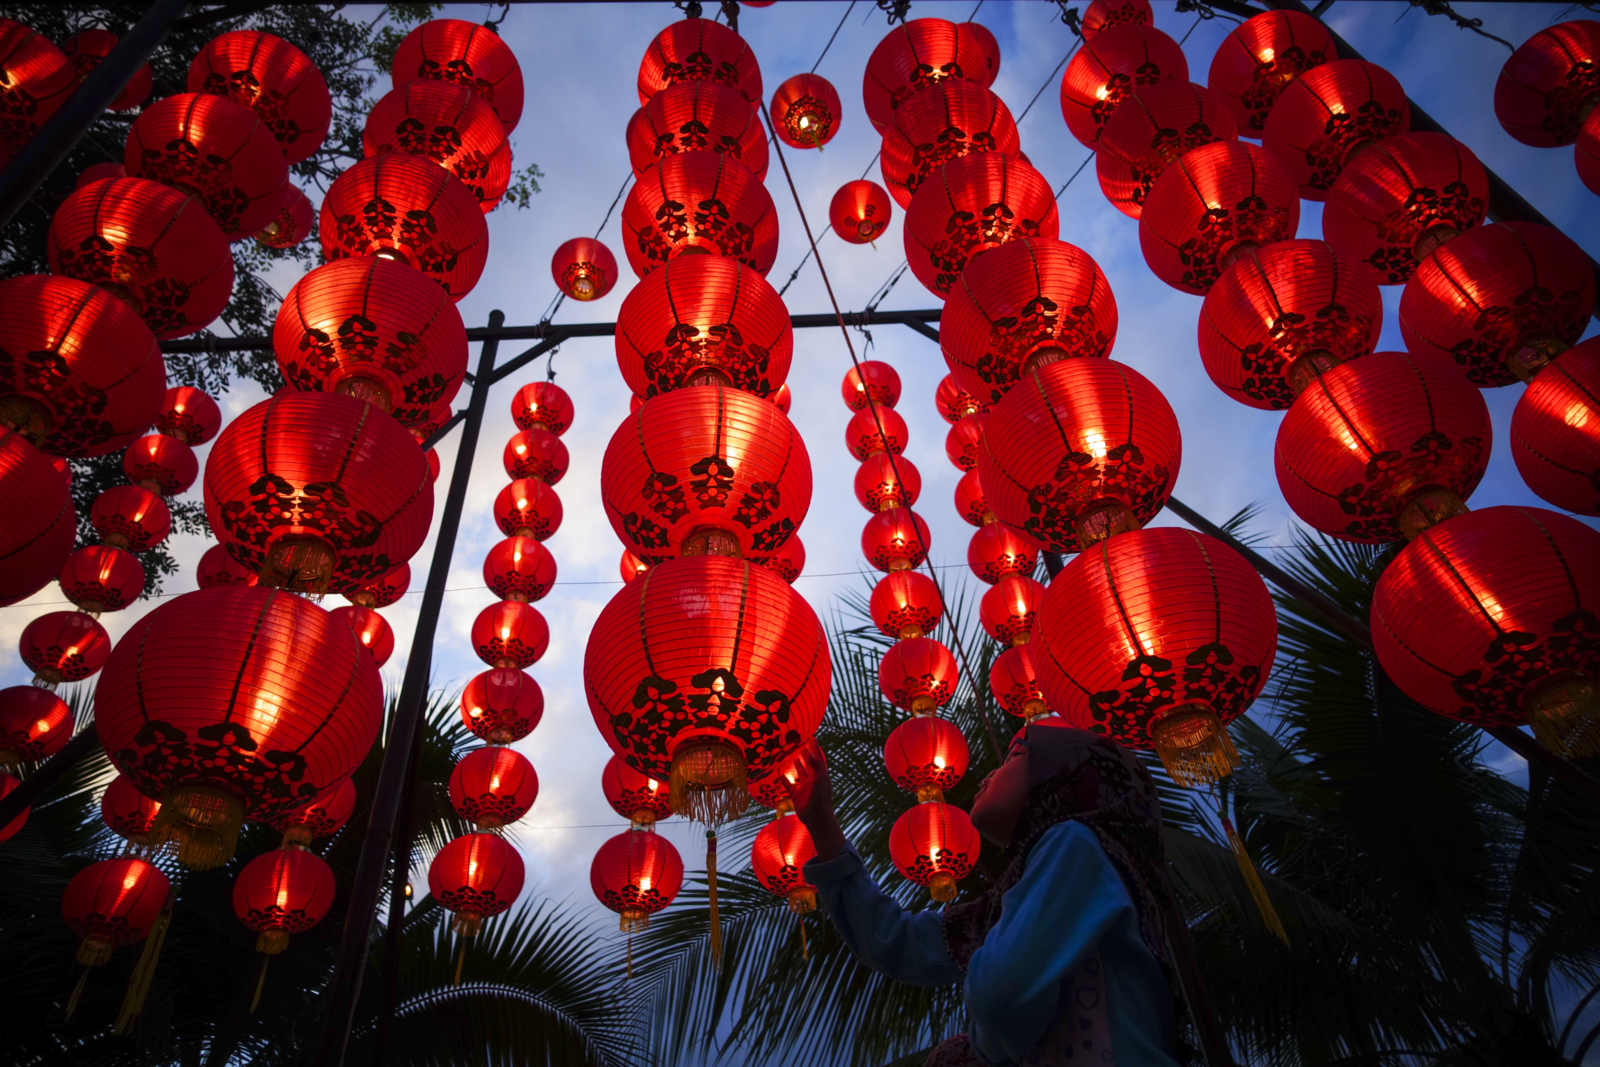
(261, 983)
(144, 971)
(1258, 891)
(805, 949)
(711, 884)
(461, 958)
(630, 954)
(77, 992)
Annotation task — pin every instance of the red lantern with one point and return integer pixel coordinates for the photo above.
(101, 578)
(631, 566)
(997, 551)
(954, 403)
(130, 517)
(1015, 684)
(274, 79)
(636, 874)
(1329, 115)
(1550, 84)
(161, 464)
(584, 268)
(704, 671)
(1499, 300)
(970, 502)
(699, 116)
(189, 415)
(1485, 619)
(1283, 314)
(510, 634)
(383, 590)
(895, 540)
(701, 201)
(398, 206)
(1391, 207)
(777, 855)
(1586, 156)
(1555, 431)
(639, 798)
(887, 482)
(1082, 449)
(1212, 205)
(1009, 608)
(316, 491)
(323, 815)
(294, 223)
(112, 903)
(469, 54)
(215, 150)
(1111, 65)
(80, 373)
(786, 561)
(871, 382)
(1258, 60)
(695, 50)
(34, 724)
(502, 705)
(528, 508)
(806, 111)
(370, 629)
(946, 121)
(476, 876)
(8, 782)
(860, 211)
(875, 431)
(493, 786)
(700, 319)
(99, 172)
(235, 702)
(542, 406)
(772, 792)
(987, 47)
(906, 604)
(37, 539)
(35, 79)
(218, 568)
(280, 893)
(1020, 306)
(915, 55)
(1157, 638)
(1104, 14)
(962, 442)
(918, 674)
(926, 755)
(934, 844)
(152, 246)
(519, 568)
(1160, 123)
(64, 646)
(129, 813)
(450, 125)
(706, 470)
(970, 204)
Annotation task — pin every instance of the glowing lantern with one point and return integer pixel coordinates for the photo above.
(584, 268)
(698, 116)
(636, 874)
(370, 629)
(112, 903)
(1261, 57)
(216, 568)
(162, 464)
(777, 855)
(883, 482)
(280, 893)
(934, 844)
(542, 406)
(1104, 14)
(945, 121)
(697, 49)
(34, 724)
(383, 590)
(914, 55)
(926, 755)
(101, 578)
(449, 125)
(189, 415)
(860, 211)
(906, 604)
(493, 786)
(295, 221)
(772, 791)
(275, 80)
(631, 566)
(1555, 431)
(1160, 123)
(519, 568)
(502, 705)
(640, 799)
(918, 674)
(895, 540)
(699, 203)
(528, 508)
(961, 444)
(35, 540)
(322, 815)
(786, 561)
(510, 634)
(1015, 685)
(805, 111)
(970, 204)
(1009, 609)
(64, 646)
(476, 876)
(35, 79)
(1549, 85)
(127, 812)
(130, 517)
(954, 403)
(1111, 65)
(1329, 115)
(997, 551)
(469, 54)
(971, 504)
(875, 431)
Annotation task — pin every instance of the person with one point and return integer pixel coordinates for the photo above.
(1064, 959)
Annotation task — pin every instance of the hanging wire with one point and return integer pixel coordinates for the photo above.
(1075, 174)
(1196, 26)
(1048, 80)
(975, 11)
(836, 30)
(561, 297)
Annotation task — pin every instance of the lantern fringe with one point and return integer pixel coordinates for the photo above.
(942, 887)
(708, 784)
(1252, 879)
(711, 885)
(1193, 745)
(1565, 717)
(144, 971)
(94, 952)
(204, 822)
(261, 982)
(77, 993)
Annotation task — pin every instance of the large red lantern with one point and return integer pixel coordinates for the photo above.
(934, 844)
(151, 245)
(1023, 305)
(926, 755)
(215, 150)
(399, 206)
(322, 815)
(112, 903)
(946, 121)
(536, 454)
(233, 702)
(1550, 84)
(1014, 683)
(918, 674)
(80, 373)
(216, 568)
(293, 224)
(875, 431)
(699, 116)
(383, 590)
(1382, 446)
(448, 124)
(502, 705)
(777, 856)
(1499, 301)
(705, 470)
(636, 797)
(906, 604)
(1555, 430)
(519, 568)
(36, 77)
(528, 508)
(1210, 206)
(64, 646)
(161, 464)
(1079, 450)
(805, 111)
(493, 786)
(1487, 619)
(636, 874)
(786, 561)
(1158, 639)
(1110, 66)
(37, 539)
(34, 724)
(101, 578)
(703, 318)
(707, 671)
(510, 634)
(699, 203)
(860, 211)
(1329, 115)
(1160, 123)
(316, 491)
(476, 876)
(997, 552)
(127, 812)
(542, 406)
(370, 629)
(1281, 315)
(130, 517)
(913, 56)
(970, 204)
(584, 268)
(373, 329)
(469, 54)
(275, 80)
(885, 481)
(189, 415)
(280, 893)
(1262, 55)
(1009, 608)
(697, 49)
(895, 540)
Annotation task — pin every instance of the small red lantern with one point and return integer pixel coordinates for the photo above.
(636, 874)
(692, 50)
(129, 813)
(1283, 314)
(493, 786)
(926, 755)
(997, 551)
(874, 431)
(1015, 684)
(295, 221)
(528, 508)
(885, 481)
(321, 816)
(542, 406)
(1111, 65)
(36, 77)
(162, 464)
(698, 116)
(970, 502)
(631, 566)
(918, 674)
(1104, 14)
(1555, 430)
(1261, 57)
(642, 800)
(954, 403)
(945, 121)
(915, 55)
(383, 590)
(906, 604)
(786, 561)
(805, 111)
(871, 382)
(153, 247)
(987, 46)
(860, 211)
(112, 903)
(970, 204)
(702, 201)
(34, 540)
(64, 646)
(502, 705)
(772, 791)
(476, 876)
(34, 724)
(700, 319)
(934, 844)
(961, 444)
(370, 629)
(8, 782)
(274, 79)
(450, 125)
(584, 268)
(130, 517)
(1550, 84)
(1212, 205)
(216, 568)
(101, 578)
(469, 54)
(777, 856)
(1160, 123)
(510, 634)
(519, 568)
(1499, 301)
(189, 415)
(895, 540)
(1329, 115)
(280, 893)
(1009, 608)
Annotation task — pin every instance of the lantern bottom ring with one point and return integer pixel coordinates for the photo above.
(942, 886)
(94, 951)
(467, 922)
(633, 920)
(1193, 745)
(272, 941)
(1307, 367)
(1103, 518)
(1564, 712)
(803, 900)
(27, 415)
(1530, 354)
(203, 820)
(1428, 507)
(299, 562)
(708, 781)
(1429, 240)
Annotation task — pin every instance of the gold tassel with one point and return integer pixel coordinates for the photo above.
(77, 992)
(805, 949)
(261, 983)
(1258, 891)
(630, 954)
(144, 971)
(711, 883)
(461, 958)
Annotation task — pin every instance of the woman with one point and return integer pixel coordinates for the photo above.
(1064, 959)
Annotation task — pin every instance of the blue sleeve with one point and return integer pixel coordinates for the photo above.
(1067, 898)
(906, 946)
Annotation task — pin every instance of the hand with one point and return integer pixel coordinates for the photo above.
(811, 792)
